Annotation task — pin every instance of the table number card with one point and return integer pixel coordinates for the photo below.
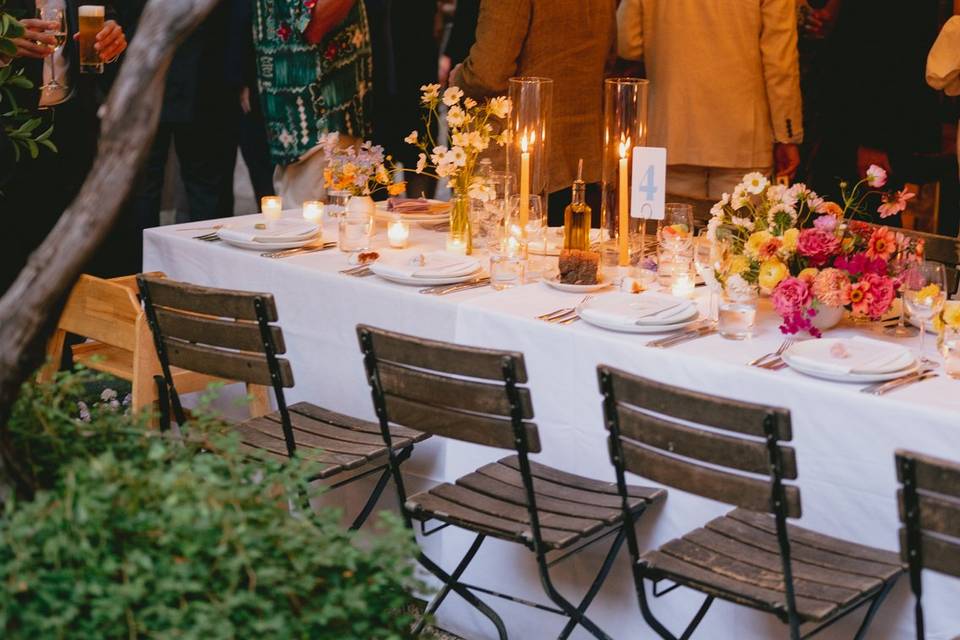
(649, 188)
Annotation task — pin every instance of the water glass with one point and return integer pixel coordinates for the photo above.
(508, 260)
(706, 257)
(355, 232)
(674, 242)
(738, 314)
(337, 203)
(925, 292)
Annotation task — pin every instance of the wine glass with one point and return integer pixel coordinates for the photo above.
(535, 231)
(898, 268)
(706, 255)
(54, 14)
(495, 209)
(674, 242)
(924, 292)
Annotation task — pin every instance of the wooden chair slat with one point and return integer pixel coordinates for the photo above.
(818, 540)
(568, 479)
(939, 554)
(213, 302)
(215, 332)
(328, 431)
(440, 356)
(101, 310)
(355, 424)
(714, 448)
(747, 573)
(506, 474)
(769, 561)
(695, 407)
(454, 393)
(492, 525)
(731, 589)
(226, 364)
(937, 514)
(742, 491)
(935, 475)
(485, 430)
(766, 541)
(272, 426)
(333, 463)
(486, 485)
(486, 504)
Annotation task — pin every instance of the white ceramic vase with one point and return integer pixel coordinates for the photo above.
(827, 317)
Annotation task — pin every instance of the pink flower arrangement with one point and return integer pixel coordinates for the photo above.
(832, 287)
(817, 246)
(893, 205)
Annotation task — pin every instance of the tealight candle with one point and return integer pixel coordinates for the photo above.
(313, 211)
(271, 207)
(683, 285)
(457, 246)
(398, 232)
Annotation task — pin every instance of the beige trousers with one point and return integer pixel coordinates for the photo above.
(706, 183)
(303, 180)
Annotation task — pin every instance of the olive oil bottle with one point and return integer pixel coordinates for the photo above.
(577, 216)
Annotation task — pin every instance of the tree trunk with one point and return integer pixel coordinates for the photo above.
(29, 308)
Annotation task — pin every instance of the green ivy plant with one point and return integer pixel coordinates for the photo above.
(20, 127)
(141, 535)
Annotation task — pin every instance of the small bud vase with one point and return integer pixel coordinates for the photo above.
(460, 239)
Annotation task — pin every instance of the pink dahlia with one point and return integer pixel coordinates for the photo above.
(882, 243)
(818, 246)
(881, 294)
(790, 296)
(832, 288)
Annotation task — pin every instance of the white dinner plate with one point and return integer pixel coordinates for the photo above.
(271, 246)
(799, 365)
(425, 281)
(624, 327)
(385, 214)
(554, 281)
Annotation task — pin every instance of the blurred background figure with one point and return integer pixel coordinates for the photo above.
(724, 88)
(572, 41)
(460, 37)
(817, 21)
(314, 73)
(404, 39)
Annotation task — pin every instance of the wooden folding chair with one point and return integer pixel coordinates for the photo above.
(109, 315)
(472, 395)
(929, 501)
(230, 334)
(748, 557)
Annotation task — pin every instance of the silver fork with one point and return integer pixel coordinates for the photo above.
(359, 271)
(560, 313)
(771, 358)
(208, 237)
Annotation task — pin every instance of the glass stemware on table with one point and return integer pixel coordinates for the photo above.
(706, 259)
(924, 293)
(534, 232)
(674, 243)
(899, 267)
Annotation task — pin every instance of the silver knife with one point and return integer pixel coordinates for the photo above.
(456, 288)
(881, 387)
(283, 253)
(906, 383)
(683, 337)
(675, 336)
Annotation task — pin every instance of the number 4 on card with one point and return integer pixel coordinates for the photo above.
(649, 184)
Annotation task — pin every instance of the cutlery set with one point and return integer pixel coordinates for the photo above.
(565, 316)
(700, 330)
(359, 271)
(285, 253)
(772, 361)
(882, 388)
(442, 290)
(209, 237)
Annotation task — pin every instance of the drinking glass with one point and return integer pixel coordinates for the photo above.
(355, 231)
(951, 351)
(90, 24)
(495, 210)
(737, 313)
(706, 256)
(924, 292)
(508, 258)
(898, 268)
(337, 202)
(674, 242)
(53, 14)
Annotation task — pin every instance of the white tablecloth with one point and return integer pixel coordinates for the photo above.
(844, 439)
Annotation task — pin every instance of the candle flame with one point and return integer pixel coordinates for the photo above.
(523, 143)
(624, 147)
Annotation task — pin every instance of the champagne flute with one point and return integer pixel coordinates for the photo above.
(898, 268)
(924, 292)
(705, 258)
(54, 14)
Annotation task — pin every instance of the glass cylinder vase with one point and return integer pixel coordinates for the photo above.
(624, 127)
(528, 153)
(460, 238)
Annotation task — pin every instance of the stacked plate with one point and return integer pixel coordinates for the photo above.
(415, 210)
(857, 359)
(648, 312)
(258, 235)
(420, 269)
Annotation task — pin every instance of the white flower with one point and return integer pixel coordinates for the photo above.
(776, 192)
(745, 223)
(782, 208)
(437, 155)
(421, 163)
(717, 209)
(504, 138)
(470, 139)
(500, 107)
(755, 182)
(712, 227)
(480, 190)
(456, 117)
(738, 288)
(457, 157)
(452, 96)
(430, 93)
(740, 197)
(469, 103)
(413, 138)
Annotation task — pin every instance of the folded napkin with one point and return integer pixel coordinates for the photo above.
(408, 205)
(854, 355)
(283, 230)
(437, 264)
(649, 308)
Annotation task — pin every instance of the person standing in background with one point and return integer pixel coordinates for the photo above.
(463, 33)
(572, 41)
(724, 88)
(314, 72)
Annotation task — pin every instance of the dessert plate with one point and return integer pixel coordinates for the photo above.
(554, 281)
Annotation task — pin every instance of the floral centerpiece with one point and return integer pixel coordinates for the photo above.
(361, 169)
(471, 130)
(809, 254)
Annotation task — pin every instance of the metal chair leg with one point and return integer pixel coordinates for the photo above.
(372, 500)
(163, 400)
(872, 611)
(597, 583)
(451, 583)
(697, 619)
(648, 616)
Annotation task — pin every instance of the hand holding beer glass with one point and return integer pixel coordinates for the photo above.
(100, 41)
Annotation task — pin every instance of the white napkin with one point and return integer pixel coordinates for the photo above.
(648, 308)
(436, 264)
(283, 230)
(854, 355)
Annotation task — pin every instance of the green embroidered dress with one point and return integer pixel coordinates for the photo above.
(306, 90)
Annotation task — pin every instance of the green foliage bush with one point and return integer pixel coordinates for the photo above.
(145, 536)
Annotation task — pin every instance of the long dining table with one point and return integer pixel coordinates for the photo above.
(844, 439)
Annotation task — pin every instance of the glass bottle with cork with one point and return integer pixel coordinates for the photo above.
(577, 216)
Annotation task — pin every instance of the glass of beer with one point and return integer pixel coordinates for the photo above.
(91, 23)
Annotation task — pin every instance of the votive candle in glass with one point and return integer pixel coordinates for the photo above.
(313, 211)
(398, 232)
(683, 285)
(457, 246)
(271, 207)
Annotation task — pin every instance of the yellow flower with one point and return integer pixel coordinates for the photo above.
(755, 241)
(808, 274)
(772, 272)
(737, 264)
(929, 292)
(951, 314)
(397, 188)
(790, 239)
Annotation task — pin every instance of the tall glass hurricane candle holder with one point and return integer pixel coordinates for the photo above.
(624, 127)
(528, 152)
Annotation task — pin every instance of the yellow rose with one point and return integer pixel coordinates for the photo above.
(951, 314)
(790, 239)
(772, 272)
(737, 264)
(755, 241)
(808, 274)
